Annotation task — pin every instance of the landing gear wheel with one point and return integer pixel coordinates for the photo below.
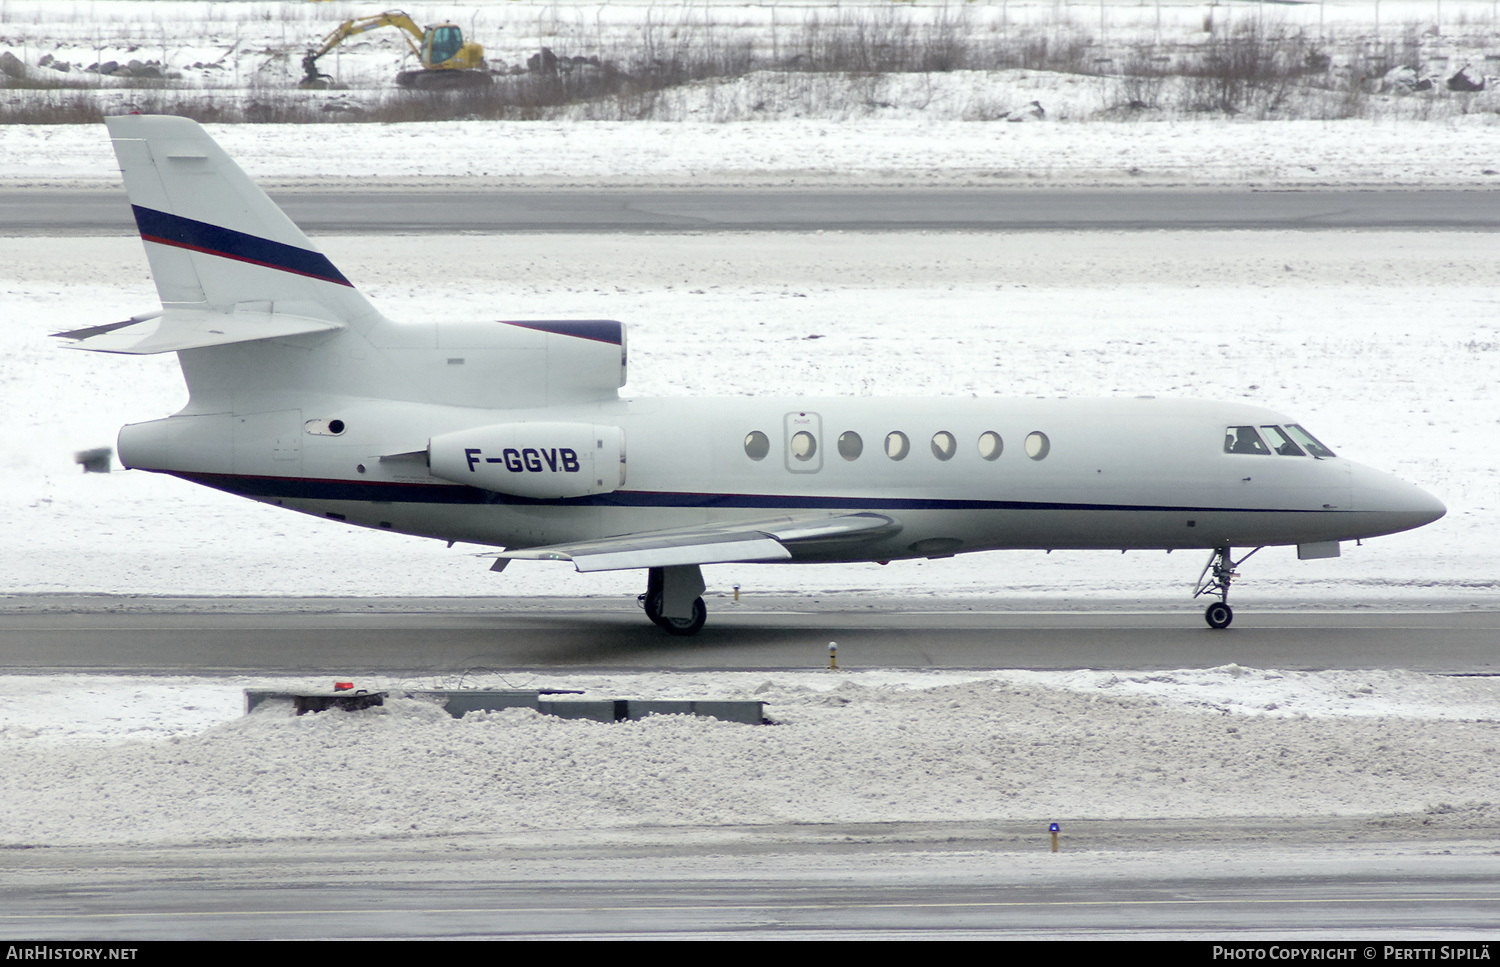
(675, 626)
(1214, 580)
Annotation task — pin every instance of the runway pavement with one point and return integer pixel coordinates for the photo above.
(1324, 878)
(500, 210)
(426, 636)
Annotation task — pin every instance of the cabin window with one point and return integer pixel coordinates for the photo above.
(1280, 442)
(804, 445)
(850, 445)
(757, 445)
(1244, 439)
(1308, 441)
(990, 445)
(897, 446)
(1037, 445)
(944, 445)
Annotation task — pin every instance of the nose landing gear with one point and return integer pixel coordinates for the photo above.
(1215, 579)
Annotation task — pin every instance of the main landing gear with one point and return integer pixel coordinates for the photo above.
(672, 599)
(1215, 579)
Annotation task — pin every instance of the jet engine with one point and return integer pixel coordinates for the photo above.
(540, 460)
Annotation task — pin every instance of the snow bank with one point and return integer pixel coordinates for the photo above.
(96, 760)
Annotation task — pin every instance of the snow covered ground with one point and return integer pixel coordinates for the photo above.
(105, 760)
(733, 60)
(1463, 152)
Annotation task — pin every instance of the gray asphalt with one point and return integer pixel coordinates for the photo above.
(1328, 907)
(357, 211)
(1253, 877)
(446, 635)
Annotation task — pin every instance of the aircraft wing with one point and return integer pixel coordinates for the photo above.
(764, 540)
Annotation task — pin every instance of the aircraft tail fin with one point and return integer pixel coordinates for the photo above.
(216, 243)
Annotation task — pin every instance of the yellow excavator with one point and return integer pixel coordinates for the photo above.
(448, 61)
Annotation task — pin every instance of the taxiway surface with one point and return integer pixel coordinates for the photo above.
(104, 211)
(427, 635)
(1324, 878)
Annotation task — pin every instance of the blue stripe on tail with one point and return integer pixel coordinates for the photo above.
(179, 232)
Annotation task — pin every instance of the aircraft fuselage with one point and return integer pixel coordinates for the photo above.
(1116, 473)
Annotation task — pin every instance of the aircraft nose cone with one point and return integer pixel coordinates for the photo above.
(1426, 507)
(1400, 505)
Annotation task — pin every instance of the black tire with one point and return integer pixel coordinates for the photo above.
(1218, 615)
(676, 626)
(651, 601)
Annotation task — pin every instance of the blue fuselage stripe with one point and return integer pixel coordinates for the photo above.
(195, 236)
(297, 488)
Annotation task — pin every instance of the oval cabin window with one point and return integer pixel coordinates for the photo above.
(757, 445)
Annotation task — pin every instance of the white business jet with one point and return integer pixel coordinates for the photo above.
(513, 434)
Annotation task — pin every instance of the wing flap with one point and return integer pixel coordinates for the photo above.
(767, 540)
(721, 552)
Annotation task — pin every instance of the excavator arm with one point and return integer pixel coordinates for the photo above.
(358, 25)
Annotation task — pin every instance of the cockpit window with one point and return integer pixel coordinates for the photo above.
(1308, 441)
(1244, 439)
(1280, 442)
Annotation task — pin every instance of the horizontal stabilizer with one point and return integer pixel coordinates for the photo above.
(770, 540)
(175, 329)
(213, 238)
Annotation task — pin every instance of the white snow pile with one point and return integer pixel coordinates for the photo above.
(1233, 690)
(97, 760)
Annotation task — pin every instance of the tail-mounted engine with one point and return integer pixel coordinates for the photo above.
(516, 365)
(541, 460)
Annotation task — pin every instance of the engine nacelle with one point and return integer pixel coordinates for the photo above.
(542, 460)
(519, 365)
